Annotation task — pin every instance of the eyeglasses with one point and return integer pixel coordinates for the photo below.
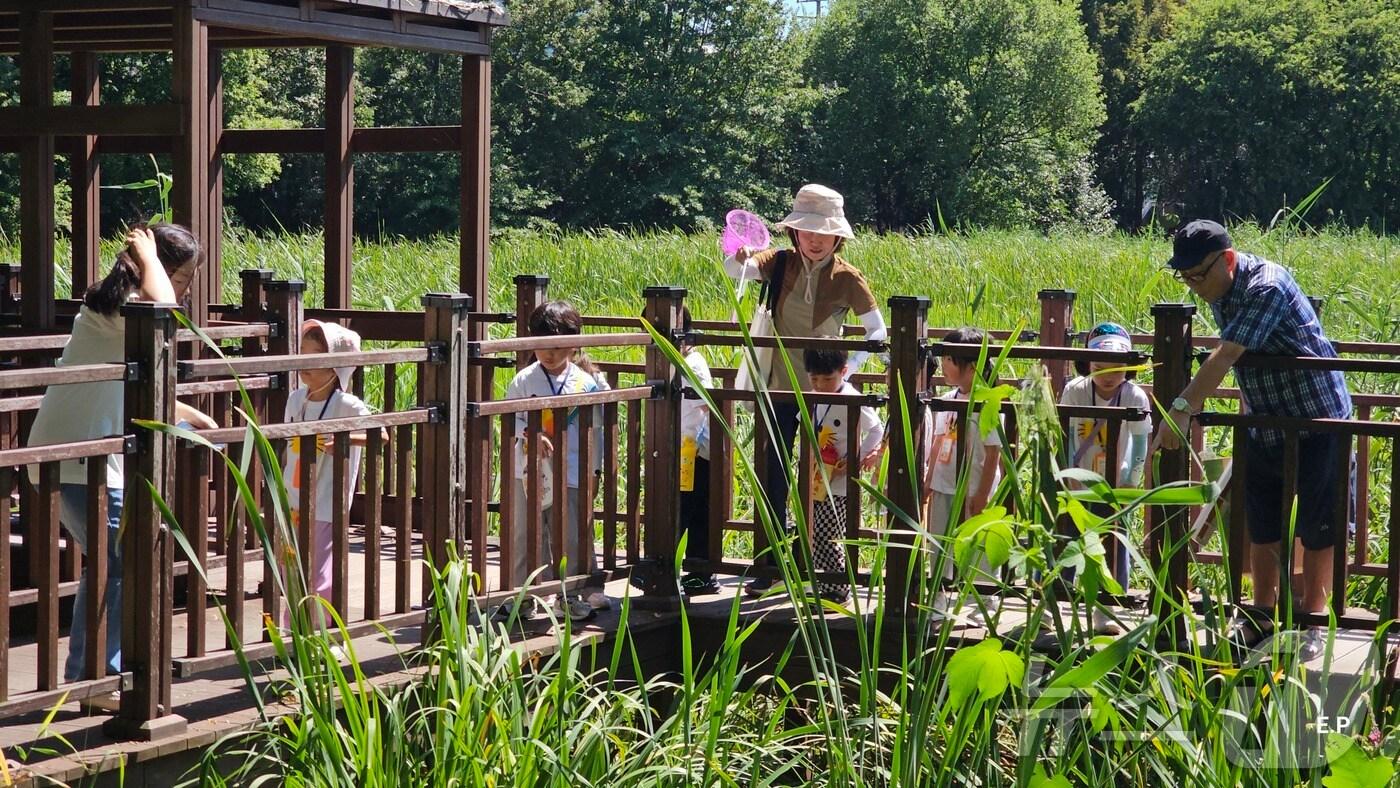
(1199, 276)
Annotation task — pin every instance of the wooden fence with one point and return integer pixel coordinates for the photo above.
(436, 471)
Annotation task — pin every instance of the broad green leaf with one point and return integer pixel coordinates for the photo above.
(983, 668)
(991, 531)
(1041, 778)
(1351, 767)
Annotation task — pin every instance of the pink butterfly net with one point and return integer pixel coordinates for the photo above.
(742, 228)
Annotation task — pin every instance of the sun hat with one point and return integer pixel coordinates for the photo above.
(1195, 241)
(339, 339)
(818, 209)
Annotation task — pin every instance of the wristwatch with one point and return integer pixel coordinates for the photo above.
(1180, 404)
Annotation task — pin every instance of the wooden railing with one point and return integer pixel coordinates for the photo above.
(437, 472)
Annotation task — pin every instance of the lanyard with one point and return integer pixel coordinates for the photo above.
(564, 381)
(324, 406)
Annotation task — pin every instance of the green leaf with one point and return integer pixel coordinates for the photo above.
(990, 399)
(1041, 778)
(984, 669)
(1351, 767)
(1085, 674)
(991, 530)
(1185, 494)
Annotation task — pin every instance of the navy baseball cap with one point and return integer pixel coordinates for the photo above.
(1195, 241)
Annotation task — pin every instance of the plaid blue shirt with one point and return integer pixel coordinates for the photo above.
(1266, 312)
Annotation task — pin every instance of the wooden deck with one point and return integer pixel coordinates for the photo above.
(213, 695)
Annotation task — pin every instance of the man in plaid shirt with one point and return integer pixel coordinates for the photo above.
(1260, 309)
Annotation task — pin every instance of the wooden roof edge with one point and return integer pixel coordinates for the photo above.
(484, 12)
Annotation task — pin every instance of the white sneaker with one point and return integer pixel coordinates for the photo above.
(107, 703)
(573, 608)
(341, 655)
(1105, 625)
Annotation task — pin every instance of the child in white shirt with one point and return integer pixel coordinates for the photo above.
(323, 394)
(828, 369)
(555, 373)
(1106, 384)
(982, 462)
(695, 470)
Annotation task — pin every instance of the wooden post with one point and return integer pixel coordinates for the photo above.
(213, 161)
(147, 548)
(189, 197)
(662, 444)
(1171, 353)
(444, 478)
(475, 240)
(340, 174)
(908, 373)
(85, 180)
(253, 302)
(36, 173)
(530, 292)
(1056, 322)
(481, 377)
(284, 316)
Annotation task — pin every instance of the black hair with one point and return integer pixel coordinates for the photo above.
(825, 361)
(560, 318)
(176, 248)
(969, 336)
(835, 250)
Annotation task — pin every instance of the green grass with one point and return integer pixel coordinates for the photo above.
(1117, 277)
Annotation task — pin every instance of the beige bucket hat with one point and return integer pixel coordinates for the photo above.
(818, 209)
(339, 339)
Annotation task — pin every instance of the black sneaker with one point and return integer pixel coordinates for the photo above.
(699, 585)
(839, 597)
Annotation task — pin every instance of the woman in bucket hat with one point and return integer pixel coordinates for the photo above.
(811, 291)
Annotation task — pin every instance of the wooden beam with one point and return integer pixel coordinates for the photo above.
(190, 89)
(339, 28)
(36, 189)
(110, 120)
(12, 6)
(214, 210)
(340, 175)
(475, 220)
(85, 180)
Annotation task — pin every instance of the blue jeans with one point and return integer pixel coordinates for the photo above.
(73, 515)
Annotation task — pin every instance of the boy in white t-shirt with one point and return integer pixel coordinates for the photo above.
(323, 394)
(828, 369)
(941, 470)
(556, 373)
(1106, 384)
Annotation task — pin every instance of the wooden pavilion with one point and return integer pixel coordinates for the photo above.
(191, 129)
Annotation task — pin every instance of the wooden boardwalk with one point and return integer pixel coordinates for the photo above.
(214, 697)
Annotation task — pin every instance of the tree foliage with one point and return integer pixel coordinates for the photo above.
(1252, 104)
(981, 110)
(1121, 34)
(666, 113)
